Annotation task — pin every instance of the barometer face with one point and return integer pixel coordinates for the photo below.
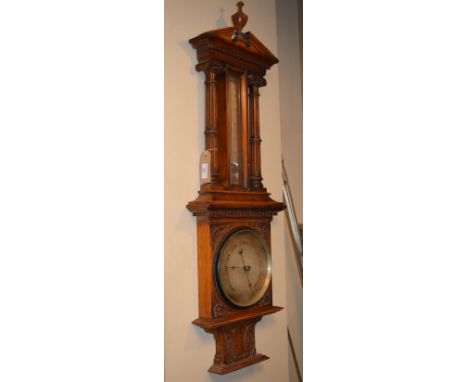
(244, 268)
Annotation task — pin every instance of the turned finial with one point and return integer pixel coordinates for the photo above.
(239, 20)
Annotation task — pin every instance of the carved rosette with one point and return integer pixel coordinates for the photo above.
(222, 309)
(266, 299)
(217, 232)
(219, 309)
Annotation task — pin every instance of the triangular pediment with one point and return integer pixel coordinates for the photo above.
(255, 45)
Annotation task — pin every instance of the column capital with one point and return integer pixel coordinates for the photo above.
(256, 80)
(211, 67)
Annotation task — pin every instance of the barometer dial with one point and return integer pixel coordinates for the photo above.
(244, 268)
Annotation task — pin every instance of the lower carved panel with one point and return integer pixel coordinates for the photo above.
(235, 340)
(235, 347)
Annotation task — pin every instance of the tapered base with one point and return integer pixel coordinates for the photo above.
(235, 340)
(224, 369)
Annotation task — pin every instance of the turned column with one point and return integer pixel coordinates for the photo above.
(211, 118)
(255, 82)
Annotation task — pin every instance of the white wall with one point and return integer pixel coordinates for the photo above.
(188, 350)
(290, 80)
(81, 148)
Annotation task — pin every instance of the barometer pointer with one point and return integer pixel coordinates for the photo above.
(246, 268)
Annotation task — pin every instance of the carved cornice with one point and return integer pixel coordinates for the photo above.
(249, 213)
(235, 204)
(243, 57)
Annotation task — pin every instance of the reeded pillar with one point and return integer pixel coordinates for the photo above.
(254, 83)
(211, 117)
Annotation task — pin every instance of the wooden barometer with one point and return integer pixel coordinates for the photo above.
(233, 208)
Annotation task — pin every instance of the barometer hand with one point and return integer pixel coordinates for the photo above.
(246, 269)
(233, 267)
(250, 284)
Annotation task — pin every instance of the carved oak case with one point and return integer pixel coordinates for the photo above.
(233, 208)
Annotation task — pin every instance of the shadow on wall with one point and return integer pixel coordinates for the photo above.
(221, 22)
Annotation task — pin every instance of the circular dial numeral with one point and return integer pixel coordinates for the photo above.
(244, 268)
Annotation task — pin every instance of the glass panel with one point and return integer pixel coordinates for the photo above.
(235, 177)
